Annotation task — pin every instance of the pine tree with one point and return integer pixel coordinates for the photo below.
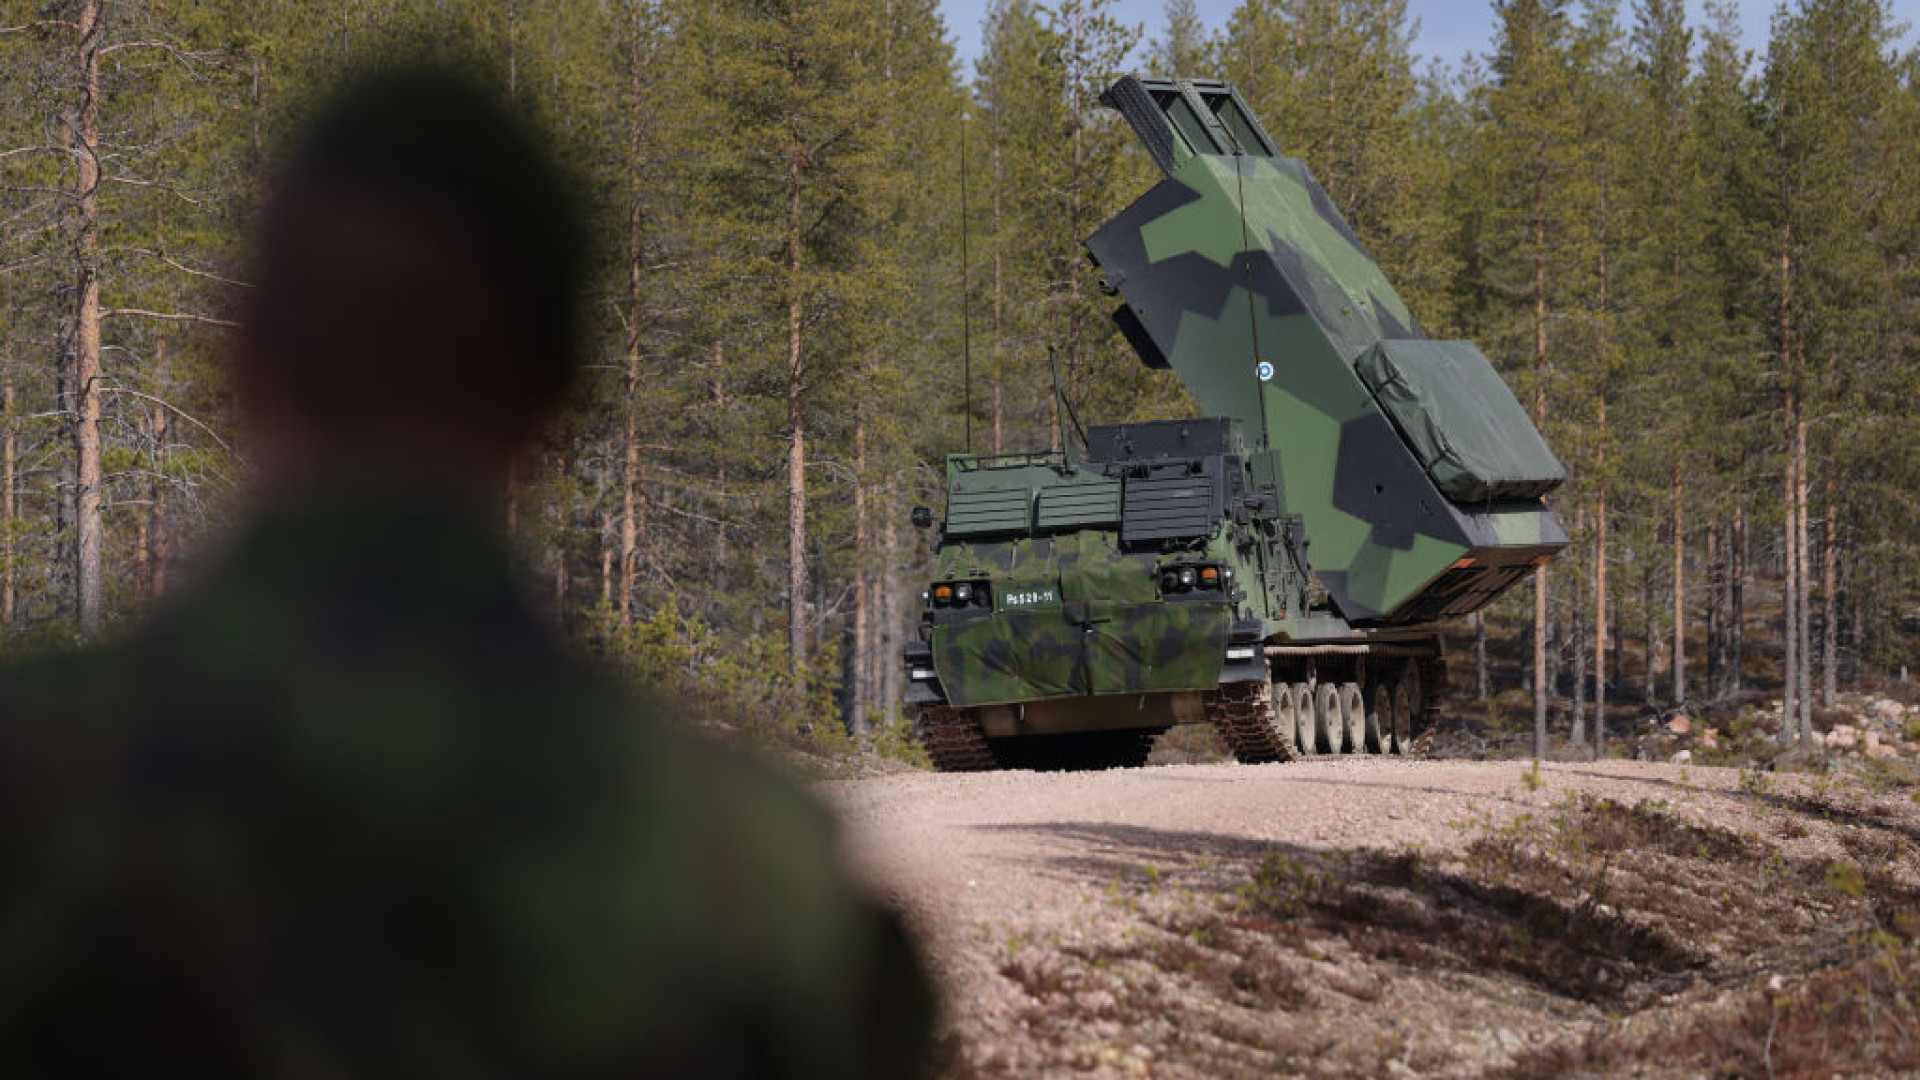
(1185, 47)
(1533, 151)
(791, 86)
(1827, 84)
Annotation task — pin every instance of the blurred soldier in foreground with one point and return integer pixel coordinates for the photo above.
(347, 810)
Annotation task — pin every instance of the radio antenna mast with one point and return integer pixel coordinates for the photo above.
(966, 292)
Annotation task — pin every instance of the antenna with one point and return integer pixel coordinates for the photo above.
(966, 292)
(1063, 410)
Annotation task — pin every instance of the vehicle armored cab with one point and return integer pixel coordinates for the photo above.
(1277, 567)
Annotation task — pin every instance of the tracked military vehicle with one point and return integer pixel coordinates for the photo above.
(1277, 567)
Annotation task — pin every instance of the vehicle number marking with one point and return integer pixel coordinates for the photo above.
(1023, 599)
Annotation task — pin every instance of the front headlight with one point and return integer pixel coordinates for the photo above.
(1187, 577)
(961, 594)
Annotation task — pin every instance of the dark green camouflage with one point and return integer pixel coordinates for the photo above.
(1238, 263)
(1073, 614)
(1037, 654)
(1324, 511)
(347, 810)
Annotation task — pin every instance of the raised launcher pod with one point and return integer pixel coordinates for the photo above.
(1417, 476)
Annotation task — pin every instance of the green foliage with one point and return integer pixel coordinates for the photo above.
(1846, 879)
(1282, 885)
(1616, 180)
(893, 741)
(750, 690)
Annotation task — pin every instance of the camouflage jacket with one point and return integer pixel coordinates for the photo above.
(346, 810)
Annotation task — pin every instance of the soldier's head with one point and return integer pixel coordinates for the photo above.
(417, 279)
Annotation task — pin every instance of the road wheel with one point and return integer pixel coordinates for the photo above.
(1353, 719)
(1306, 725)
(1405, 702)
(1330, 728)
(1380, 719)
(1286, 715)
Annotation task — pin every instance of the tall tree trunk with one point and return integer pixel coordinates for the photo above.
(606, 561)
(1649, 638)
(1480, 654)
(1074, 213)
(1857, 625)
(719, 579)
(9, 512)
(1830, 606)
(999, 294)
(1737, 562)
(1617, 647)
(630, 457)
(560, 515)
(1716, 614)
(796, 406)
(1679, 589)
(862, 570)
(891, 675)
(1790, 598)
(1540, 421)
(1804, 580)
(159, 543)
(1794, 689)
(1577, 714)
(513, 51)
(254, 145)
(86, 329)
(1600, 597)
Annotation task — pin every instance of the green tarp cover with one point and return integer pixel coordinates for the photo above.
(1039, 654)
(1461, 420)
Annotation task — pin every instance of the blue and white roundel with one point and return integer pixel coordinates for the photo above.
(1265, 371)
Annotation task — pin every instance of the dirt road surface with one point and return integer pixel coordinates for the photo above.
(1359, 916)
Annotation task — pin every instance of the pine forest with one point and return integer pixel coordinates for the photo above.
(829, 256)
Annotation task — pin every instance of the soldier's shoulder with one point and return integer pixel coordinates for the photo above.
(42, 686)
(736, 783)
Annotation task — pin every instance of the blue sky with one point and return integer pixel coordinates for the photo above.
(1447, 30)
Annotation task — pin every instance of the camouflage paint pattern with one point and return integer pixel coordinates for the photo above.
(1234, 262)
(1238, 272)
(1073, 614)
(1061, 651)
(348, 808)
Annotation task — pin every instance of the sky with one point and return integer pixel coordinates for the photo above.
(1448, 30)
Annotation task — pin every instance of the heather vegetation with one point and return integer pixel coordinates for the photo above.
(830, 256)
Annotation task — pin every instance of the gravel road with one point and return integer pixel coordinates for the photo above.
(984, 862)
(963, 852)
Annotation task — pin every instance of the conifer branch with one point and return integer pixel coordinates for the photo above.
(185, 269)
(168, 316)
(174, 409)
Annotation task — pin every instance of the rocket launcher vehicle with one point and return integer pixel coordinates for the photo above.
(1274, 568)
(1417, 477)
